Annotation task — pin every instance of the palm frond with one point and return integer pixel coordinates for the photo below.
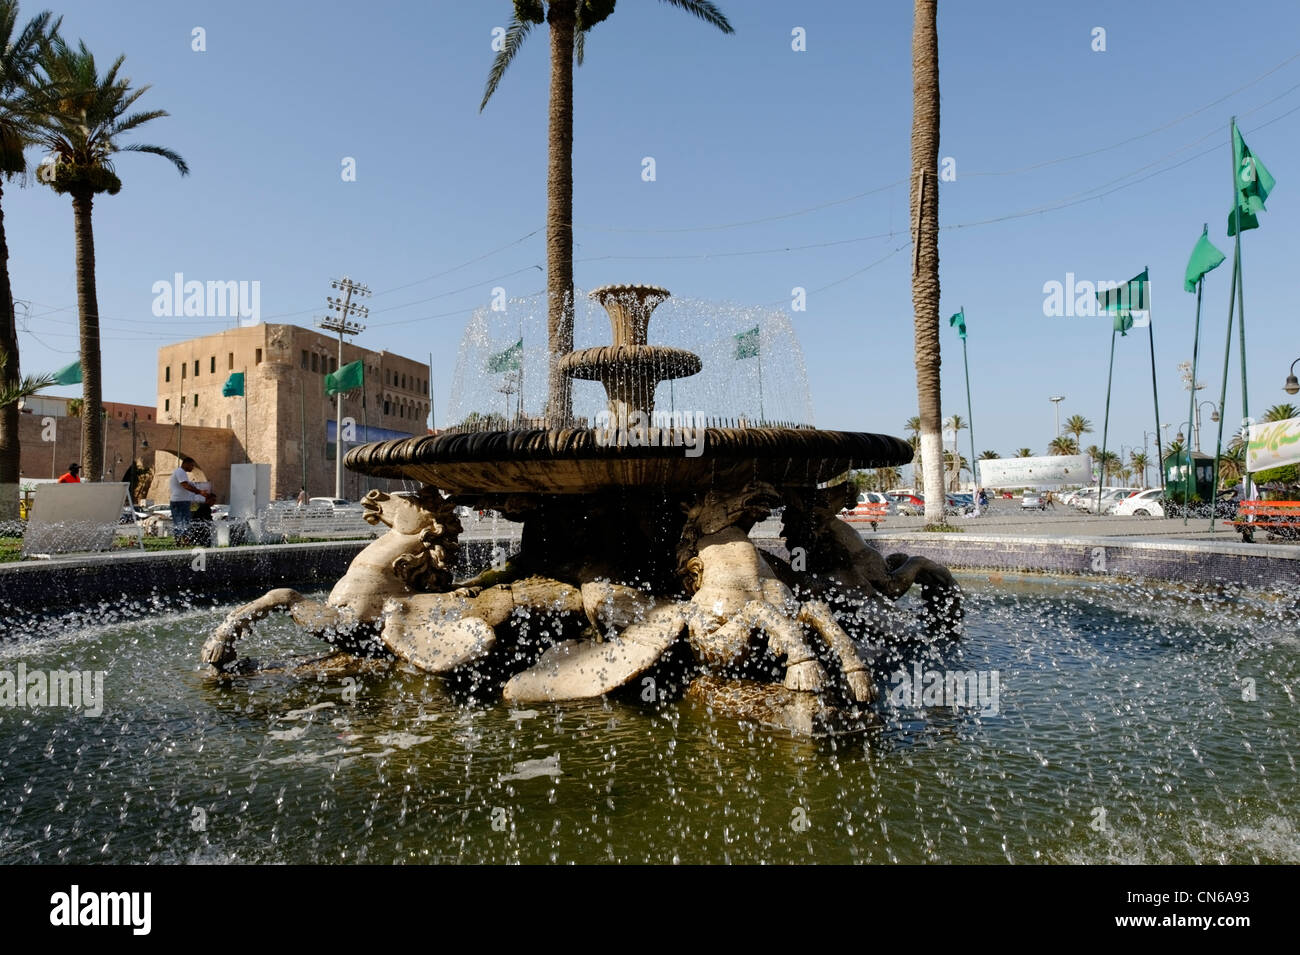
(163, 151)
(706, 11)
(579, 47)
(516, 33)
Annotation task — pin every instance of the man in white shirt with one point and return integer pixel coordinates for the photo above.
(183, 494)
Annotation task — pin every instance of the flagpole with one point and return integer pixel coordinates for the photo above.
(1223, 393)
(1105, 427)
(759, 356)
(970, 418)
(1241, 308)
(1151, 337)
(247, 457)
(302, 417)
(1191, 400)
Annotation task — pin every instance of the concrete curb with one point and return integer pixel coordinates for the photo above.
(1194, 562)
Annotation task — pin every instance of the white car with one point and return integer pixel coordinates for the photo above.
(1143, 504)
(1109, 498)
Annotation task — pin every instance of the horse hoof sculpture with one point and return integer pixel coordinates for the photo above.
(636, 566)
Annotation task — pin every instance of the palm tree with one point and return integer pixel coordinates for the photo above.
(86, 115)
(569, 21)
(924, 206)
(10, 395)
(19, 54)
(990, 456)
(1281, 413)
(1024, 453)
(1139, 461)
(1109, 464)
(1063, 445)
(1078, 426)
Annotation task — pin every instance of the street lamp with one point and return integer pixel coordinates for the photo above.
(1214, 416)
(1056, 401)
(1292, 386)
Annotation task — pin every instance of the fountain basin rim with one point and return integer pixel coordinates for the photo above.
(586, 461)
(592, 364)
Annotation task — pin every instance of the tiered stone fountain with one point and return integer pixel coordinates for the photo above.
(635, 555)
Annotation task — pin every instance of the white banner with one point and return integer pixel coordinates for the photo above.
(1274, 444)
(1035, 472)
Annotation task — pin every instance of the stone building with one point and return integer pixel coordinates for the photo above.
(285, 418)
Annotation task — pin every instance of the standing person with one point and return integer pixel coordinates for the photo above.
(183, 495)
(303, 499)
(72, 475)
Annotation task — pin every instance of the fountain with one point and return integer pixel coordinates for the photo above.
(635, 548)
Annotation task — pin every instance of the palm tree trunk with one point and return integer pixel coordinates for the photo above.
(925, 269)
(562, 17)
(92, 418)
(9, 378)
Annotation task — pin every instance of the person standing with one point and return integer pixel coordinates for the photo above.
(303, 499)
(183, 495)
(72, 475)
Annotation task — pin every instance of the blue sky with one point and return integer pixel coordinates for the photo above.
(741, 128)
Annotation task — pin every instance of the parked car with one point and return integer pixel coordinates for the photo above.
(909, 505)
(1142, 504)
(1109, 498)
(959, 503)
(1033, 501)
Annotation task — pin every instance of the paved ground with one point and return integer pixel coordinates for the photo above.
(1007, 518)
(1002, 518)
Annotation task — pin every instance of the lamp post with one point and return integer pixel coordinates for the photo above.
(1214, 416)
(1292, 386)
(1056, 402)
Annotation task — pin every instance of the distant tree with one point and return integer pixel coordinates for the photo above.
(1139, 462)
(1024, 453)
(1281, 413)
(1078, 426)
(990, 456)
(1064, 444)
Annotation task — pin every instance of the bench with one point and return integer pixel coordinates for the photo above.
(873, 514)
(1280, 518)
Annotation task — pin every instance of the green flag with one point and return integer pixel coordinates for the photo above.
(747, 344)
(71, 375)
(1253, 181)
(1133, 296)
(508, 360)
(960, 321)
(351, 375)
(1248, 221)
(1205, 258)
(1123, 322)
(234, 385)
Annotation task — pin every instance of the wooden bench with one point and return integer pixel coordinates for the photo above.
(1278, 518)
(873, 514)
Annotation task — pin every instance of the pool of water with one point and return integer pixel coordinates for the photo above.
(1131, 725)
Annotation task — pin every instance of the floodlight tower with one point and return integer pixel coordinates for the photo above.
(341, 321)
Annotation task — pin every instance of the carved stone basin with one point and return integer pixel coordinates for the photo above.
(586, 461)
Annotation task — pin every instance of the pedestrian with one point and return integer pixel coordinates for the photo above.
(182, 496)
(72, 475)
(303, 499)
